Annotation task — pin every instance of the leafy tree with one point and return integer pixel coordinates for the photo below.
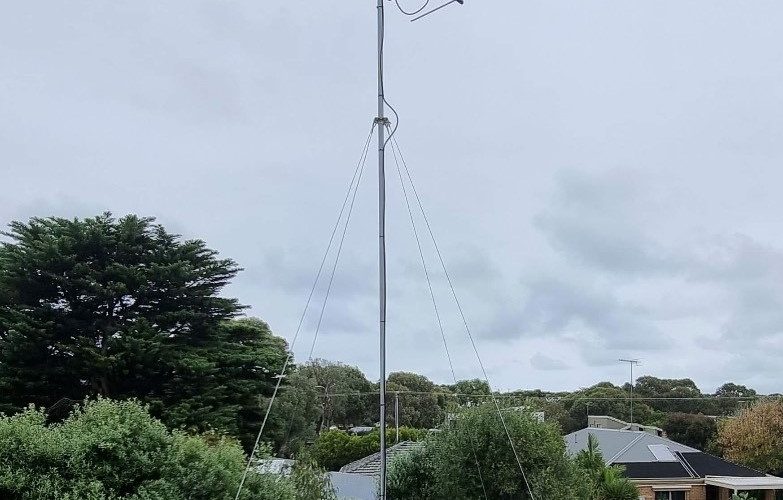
(311, 483)
(446, 468)
(653, 387)
(335, 448)
(121, 308)
(734, 397)
(107, 450)
(419, 405)
(295, 415)
(344, 390)
(412, 476)
(606, 483)
(692, 430)
(604, 399)
(471, 391)
(755, 437)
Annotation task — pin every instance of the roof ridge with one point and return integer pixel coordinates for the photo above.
(626, 448)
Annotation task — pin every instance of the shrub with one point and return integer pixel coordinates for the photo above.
(107, 450)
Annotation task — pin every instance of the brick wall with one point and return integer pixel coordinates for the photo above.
(697, 492)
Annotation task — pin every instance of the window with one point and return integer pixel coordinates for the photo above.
(670, 495)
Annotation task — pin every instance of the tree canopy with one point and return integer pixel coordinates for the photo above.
(755, 437)
(345, 392)
(107, 450)
(445, 467)
(121, 308)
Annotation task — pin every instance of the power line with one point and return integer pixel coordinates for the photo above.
(564, 398)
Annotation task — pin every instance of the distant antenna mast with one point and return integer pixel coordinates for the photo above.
(382, 122)
(631, 363)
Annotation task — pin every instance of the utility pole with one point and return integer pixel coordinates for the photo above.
(397, 415)
(631, 363)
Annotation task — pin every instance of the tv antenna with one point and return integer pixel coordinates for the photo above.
(631, 363)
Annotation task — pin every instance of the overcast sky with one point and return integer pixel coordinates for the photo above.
(604, 177)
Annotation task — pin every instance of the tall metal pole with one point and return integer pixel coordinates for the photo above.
(631, 392)
(397, 415)
(382, 248)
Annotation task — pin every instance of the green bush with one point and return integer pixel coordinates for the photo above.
(108, 450)
(446, 466)
(335, 448)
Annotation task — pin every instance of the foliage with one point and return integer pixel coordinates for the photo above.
(604, 399)
(697, 431)
(735, 396)
(654, 387)
(755, 437)
(471, 391)
(616, 487)
(311, 483)
(447, 464)
(345, 393)
(605, 483)
(295, 415)
(419, 406)
(335, 448)
(412, 476)
(121, 308)
(115, 450)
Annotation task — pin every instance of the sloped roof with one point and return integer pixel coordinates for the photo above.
(636, 451)
(705, 464)
(621, 445)
(371, 465)
(655, 470)
(354, 486)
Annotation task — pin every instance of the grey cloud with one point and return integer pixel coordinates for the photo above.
(541, 361)
(606, 188)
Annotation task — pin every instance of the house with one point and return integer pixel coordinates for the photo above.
(663, 469)
(371, 465)
(345, 486)
(607, 422)
(354, 486)
(359, 480)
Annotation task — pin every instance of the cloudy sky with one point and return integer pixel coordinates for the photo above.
(603, 177)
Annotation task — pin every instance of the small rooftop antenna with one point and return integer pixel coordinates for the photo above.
(631, 363)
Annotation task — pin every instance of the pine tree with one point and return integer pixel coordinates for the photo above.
(122, 308)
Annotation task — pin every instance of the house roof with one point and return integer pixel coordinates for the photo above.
(647, 456)
(655, 470)
(354, 486)
(371, 465)
(621, 445)
(705, 464)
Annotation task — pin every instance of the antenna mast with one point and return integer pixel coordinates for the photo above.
(381, 121)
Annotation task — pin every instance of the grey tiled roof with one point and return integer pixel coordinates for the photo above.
(371, 465)
(621, 446)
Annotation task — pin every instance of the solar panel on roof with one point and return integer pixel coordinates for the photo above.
(662, 453)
